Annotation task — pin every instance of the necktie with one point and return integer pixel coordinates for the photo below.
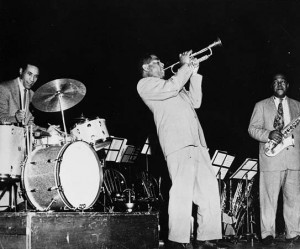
(278, 121)
(25, 100)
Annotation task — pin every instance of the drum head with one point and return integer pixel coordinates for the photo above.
(80, 175)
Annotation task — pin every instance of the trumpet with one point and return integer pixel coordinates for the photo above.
(203, 58)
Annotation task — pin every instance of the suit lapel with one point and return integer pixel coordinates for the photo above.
(293, 109)
(16, 93)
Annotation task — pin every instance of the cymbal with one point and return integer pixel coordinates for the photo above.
(68, 92)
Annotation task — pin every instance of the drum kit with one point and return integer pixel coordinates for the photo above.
(56, 171)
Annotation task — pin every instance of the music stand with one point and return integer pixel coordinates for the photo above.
(247, 171)
(115, 149)
(146, 150)
(130, 154)
(221, 163)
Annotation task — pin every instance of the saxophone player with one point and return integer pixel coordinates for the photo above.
(281, 171)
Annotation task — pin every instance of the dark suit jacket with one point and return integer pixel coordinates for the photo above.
(261, 124)
(10, 102)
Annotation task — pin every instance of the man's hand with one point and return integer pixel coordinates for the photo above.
(54, 130)
(20, 115)
(276, 136)
(185, 57)
(195, 64)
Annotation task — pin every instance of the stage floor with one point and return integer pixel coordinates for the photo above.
(279, 244)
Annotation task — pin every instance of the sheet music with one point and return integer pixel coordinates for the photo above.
(221, 163)
(248, 169)
(146, 148)
(130, 154)
(115, 150)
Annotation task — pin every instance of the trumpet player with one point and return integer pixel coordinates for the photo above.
(281, 171)
(183, 144)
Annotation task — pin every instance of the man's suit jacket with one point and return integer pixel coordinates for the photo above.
(173, 109)
(10, 102)
(261, 124)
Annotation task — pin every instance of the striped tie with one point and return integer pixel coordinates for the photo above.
(278, 121)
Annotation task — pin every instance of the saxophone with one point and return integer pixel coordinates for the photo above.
(272, 148)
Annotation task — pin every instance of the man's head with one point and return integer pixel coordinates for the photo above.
(29, 75)
(152, 67)
(280, 85)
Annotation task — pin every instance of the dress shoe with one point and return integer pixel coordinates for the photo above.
(269, 240)
(208, 245)
(177, 245)
(295, 240)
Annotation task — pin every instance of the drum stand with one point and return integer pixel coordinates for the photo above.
(11, 187)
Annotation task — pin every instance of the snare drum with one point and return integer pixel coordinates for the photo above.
(49, 141)
(12, 151)
(54, 139)
(91, 131)
(63, 177)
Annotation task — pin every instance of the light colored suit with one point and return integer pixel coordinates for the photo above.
(10, 102)
(173, 109)
(261, 124)
(182, 141)
(280, 171)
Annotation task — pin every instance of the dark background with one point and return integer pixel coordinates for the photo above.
(99, 43)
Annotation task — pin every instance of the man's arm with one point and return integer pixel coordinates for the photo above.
(4, 107)
(256, 127)
(158, 89)
(195, 90)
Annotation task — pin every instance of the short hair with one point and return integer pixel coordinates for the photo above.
(145, 60)
(281, 74)
(29, 60)
(24, 65)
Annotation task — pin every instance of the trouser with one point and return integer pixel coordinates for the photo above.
(269, 188)
(193, 180)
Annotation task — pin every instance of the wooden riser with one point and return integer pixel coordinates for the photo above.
(42, 230)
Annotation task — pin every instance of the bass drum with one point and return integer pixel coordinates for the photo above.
(63, 177)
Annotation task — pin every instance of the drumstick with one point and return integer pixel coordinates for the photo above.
(56, 129)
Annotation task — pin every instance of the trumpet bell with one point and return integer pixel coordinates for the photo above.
(217, 43)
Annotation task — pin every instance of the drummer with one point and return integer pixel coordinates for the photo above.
(16, 95)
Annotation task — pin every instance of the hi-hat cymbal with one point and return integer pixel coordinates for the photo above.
(58, 95)
(81, 118)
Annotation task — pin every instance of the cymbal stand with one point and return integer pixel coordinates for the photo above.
(62, 114)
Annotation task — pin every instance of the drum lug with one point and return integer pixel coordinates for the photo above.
(53, 188)
(53, 160)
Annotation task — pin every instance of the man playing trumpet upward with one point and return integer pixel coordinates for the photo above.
(183, 144)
